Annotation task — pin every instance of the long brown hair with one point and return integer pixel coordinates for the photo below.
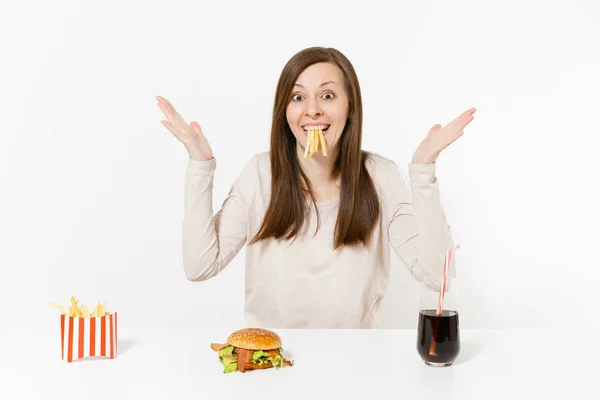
(359, 207)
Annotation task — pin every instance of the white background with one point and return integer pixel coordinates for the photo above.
(92, 184)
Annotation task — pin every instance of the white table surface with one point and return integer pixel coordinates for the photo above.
(338, 364)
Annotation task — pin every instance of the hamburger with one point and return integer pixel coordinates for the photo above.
(249, 349)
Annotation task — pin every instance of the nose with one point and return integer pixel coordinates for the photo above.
(313, 108)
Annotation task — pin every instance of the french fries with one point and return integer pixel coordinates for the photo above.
(323, 144)
(314, 138)
(80, 311)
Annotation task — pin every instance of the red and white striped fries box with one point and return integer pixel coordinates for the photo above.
(86, 337)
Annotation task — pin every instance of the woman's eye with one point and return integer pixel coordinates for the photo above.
(299, 97)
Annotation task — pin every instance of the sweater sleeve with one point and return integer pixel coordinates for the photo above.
(418, 230)
(211, 241)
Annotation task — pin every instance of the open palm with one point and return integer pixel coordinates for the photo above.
(440, 137)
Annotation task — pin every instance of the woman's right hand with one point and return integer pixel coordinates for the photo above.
(190, 135)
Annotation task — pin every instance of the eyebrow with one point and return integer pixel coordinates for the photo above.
(322, 84)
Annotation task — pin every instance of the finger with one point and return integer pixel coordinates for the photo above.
(464, 116)
(434, 129)
(172, 129)
(461, 122)
(197, 128)
(167, 111)
(455, 138)
(170, 112)
(174, 117)
(467, 113)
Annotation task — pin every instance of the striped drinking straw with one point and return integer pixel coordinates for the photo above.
(447, 262)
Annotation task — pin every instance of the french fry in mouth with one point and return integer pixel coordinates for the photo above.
(314, 138)
(308, 146)
(323, 145)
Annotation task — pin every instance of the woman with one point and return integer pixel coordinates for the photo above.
(317, 228)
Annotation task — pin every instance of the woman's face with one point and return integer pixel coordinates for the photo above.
(319, 98)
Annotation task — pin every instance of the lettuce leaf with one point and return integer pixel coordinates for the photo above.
(230, 368)
(229, 362)
(259, 357)
(278, 361)
(226, 351)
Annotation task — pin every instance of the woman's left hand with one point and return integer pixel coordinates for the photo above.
(439, 138)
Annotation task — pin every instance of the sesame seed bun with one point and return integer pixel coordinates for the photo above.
(254, 339)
